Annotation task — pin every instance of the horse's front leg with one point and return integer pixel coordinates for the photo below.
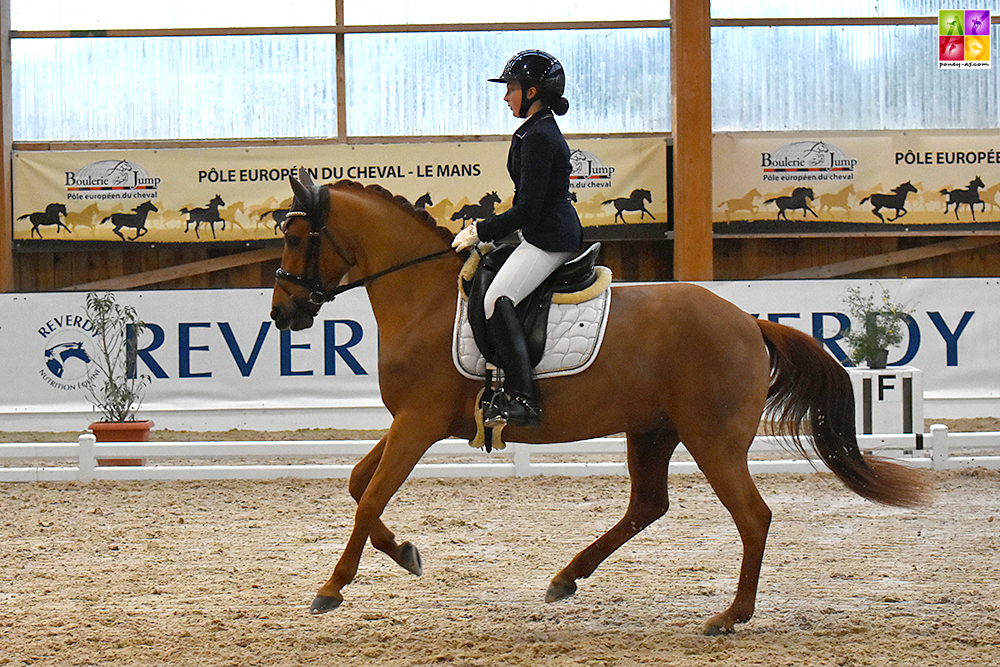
(383, 539)
(406, 442)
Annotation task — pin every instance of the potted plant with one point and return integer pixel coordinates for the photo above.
(877, 324)
(116, 390)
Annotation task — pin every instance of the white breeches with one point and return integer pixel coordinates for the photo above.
(523, 271)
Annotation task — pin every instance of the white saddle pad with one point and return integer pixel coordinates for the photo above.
(574, 332)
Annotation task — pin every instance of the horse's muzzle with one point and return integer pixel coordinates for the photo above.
(292, 318)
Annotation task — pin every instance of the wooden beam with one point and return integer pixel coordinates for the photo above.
(6, 140)
(180, 271)
(888, 259)
(691, 94)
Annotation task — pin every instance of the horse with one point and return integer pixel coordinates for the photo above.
(839, 199)
(634, 202)
(480, 211)
(278, 215)
(424, 201)
(209, 214)
(50, 216)
(897, 201)
(744, 203)
(969, 195)
(799, 199)
(677, 363)
(136, 220)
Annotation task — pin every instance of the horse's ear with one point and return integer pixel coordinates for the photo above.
(305, 177)
(301, 190)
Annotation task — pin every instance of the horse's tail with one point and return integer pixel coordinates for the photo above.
(22, 217)
(945, 191)
(105, 219)
(607, 201)
(807, 382)
(864, 200)
(768, 201)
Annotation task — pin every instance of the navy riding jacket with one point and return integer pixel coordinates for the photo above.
(538, 163)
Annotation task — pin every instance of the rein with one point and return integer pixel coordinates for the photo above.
(311, 279)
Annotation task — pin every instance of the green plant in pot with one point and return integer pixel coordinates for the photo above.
(116, 390)
(877, 323)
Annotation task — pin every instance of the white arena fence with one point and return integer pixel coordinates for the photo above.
(937, 450)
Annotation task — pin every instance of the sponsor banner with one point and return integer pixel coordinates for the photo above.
(216, 352)
(240, 194)
(898, 182)
(204, 350)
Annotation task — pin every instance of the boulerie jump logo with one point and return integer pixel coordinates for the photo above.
(963, 38)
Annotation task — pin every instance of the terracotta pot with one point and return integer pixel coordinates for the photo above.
(137, 431)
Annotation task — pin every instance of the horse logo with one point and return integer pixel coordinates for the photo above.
(799, 199)
(634, 202)
(474, 212)
(50, 216)
(969, 196)
(135, 220)
(896, 200)
(424, 201)
(57, 356)
(209, 214)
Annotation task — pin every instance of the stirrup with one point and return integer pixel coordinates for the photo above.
(522, 411)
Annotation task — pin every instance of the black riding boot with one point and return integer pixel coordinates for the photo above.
(522, 406)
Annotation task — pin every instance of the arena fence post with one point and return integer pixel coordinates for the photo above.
(939, 446)
(85, 456)
(522, 460)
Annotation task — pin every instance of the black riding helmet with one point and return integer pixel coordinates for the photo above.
(533, 68)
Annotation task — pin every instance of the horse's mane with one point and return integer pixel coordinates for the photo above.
(400, 202)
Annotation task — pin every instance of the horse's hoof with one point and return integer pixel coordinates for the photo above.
(560, 591)
(324, 603)
(409, 558)
(717, 626)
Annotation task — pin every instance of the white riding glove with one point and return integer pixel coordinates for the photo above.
(466, 238)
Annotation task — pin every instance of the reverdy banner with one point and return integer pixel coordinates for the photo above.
(846, 182)
(238, 194)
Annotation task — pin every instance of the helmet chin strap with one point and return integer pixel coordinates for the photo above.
(526, 102)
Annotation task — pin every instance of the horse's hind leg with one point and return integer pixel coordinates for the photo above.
(383, 539)
(726, 470)
(648, 458)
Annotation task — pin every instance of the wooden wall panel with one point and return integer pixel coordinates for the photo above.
(734, 259)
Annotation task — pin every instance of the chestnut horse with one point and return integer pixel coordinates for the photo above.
(678, 363)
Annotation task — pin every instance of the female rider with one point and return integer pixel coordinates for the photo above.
(547, 223)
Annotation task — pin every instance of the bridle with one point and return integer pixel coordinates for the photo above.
(310, 279)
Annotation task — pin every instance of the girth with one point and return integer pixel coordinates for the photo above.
(573, 276)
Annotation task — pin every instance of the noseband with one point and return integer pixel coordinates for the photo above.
(310, 280)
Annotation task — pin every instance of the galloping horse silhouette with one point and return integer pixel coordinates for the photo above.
(634, 202)
(50, 216)
(744, 203)
(799, 199)
(897, 201)
(278, 215)
(480, 211)
(135, 220)
(209, 214)
(677, 363)
(969, 195)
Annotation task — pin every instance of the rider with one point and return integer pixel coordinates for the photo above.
(546, 222)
